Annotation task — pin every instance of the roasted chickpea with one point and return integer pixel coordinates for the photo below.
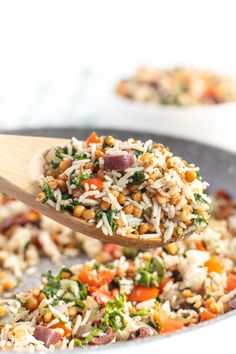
(78, 211)
(32, 304)
(88, 214)
(98, 154)
(62, 185)
(137, 197)
(64, 165)
(137, 213)
(161, 199)
(143, 229)
(129, 209)
(121, 198)
(105, 205)
(190, 176)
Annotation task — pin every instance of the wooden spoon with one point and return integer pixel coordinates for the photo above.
(21, 165)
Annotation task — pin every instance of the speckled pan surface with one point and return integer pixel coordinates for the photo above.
(218, 168)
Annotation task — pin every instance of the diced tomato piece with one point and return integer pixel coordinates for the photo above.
(142, 293)
(222, 194)
(164, 282)
(214, 265)
(231, 281)
(102, 277)
(170, 325)
(92, 139)
(93, 181)
(206, 315)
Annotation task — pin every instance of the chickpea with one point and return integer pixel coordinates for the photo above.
(143, 229)
(88, 214)
(133, 188)
(32, 304)
(98, 154)
(52, 184)
(190, 176)
(47, 317)
(65, 164)
(168, 162)
(50, 172)
(78, 211)
(137, 197)
(172, 249)
(40, 197)
(36, 292)
(62, 185)
(114, 193)
(153, 176)
(175, 200)
(121, 198)
(161, 199)
(151, 228)
(137, 212)
(105, 205)
(109, 140)
(41, 297)
(146, 158)
(187, 293)
(185, 216)
(100, 174)
(129, 209)
(214, 307)
(72, 310)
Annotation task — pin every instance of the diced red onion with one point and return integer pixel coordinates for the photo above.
(118, 161)
(46, 335)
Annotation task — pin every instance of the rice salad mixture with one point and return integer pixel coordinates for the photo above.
(177, 87)
(129, 188)
(123, 293)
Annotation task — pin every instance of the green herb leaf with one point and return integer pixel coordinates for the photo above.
(47, 190)
(137, 178)
(80, 156)
(76, 179)
(110, 218)
(199, 198)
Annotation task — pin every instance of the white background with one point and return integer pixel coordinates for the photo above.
(58, 60)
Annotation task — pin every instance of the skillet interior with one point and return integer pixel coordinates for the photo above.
(218, 167)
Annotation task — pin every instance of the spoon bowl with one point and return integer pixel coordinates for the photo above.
(22, 164)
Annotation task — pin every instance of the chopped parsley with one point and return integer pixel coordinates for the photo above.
(152, 273)
(137, 153)
(70, 206)
(198, 176)
(80, 156)
(113, 317)
(47, 190)
(199, 221)
(54, 165)
(59, 153)
(185, 314)
(137, 178)
(76, 179)
(199, 198)
(143, 312)
(110, 217)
